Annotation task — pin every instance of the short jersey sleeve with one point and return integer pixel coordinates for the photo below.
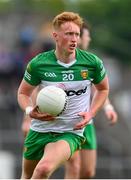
(31, 74)
(100, 71)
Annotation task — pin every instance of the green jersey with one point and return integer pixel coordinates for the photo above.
(75, 78)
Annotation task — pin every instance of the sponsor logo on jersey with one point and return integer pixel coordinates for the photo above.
(77, 93)
(84, 73)
(50, 74)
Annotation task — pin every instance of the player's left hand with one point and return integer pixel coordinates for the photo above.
(112, 116)
(86, 118)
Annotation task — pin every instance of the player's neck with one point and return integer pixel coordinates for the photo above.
(65, 57)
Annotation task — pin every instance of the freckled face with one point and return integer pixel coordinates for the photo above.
(67, 37)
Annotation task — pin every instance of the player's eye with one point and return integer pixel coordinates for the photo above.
(69, 33)
(77, 34)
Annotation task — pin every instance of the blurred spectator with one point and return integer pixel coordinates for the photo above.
(24, 50)
(6, 63)
(47, 45)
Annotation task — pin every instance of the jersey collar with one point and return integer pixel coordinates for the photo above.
(67, 65)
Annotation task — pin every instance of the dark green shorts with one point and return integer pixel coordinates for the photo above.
(90, 136)
(36, 141)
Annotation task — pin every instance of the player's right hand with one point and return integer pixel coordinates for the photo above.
(36, 114)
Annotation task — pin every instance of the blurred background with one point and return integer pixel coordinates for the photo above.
(25, 30)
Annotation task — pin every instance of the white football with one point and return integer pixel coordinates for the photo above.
(52, 100)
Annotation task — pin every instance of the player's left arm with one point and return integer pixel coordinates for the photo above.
(110, 112)
(100, 96)
(98, 99)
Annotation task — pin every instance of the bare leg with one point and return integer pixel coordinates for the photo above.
(28, 167)
(72, 167)
(88, 163)
(54, 155)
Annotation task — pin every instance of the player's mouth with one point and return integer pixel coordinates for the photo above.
(72, 46)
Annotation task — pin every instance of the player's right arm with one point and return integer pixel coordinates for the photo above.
(24, 95)
(24, 99)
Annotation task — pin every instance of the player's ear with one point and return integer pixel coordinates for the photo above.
(54, 34)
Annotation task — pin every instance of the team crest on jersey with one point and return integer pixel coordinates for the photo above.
(84, 73)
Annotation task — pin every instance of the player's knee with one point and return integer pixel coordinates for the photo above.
(44, 169)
